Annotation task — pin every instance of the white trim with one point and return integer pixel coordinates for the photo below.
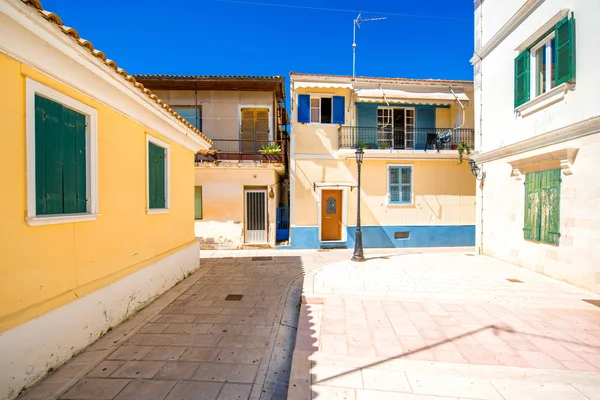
(544, 100)
(569, 132)
(509, 26)
(255, 106)
(167, 148)
(542, 30)
(412, 186)
(92, 76)
(91, 141)
(534, 73)
(344, 190)
(565, 158)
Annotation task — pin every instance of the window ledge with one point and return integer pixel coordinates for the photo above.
(60, 219)
(158, 211)
(552, 96)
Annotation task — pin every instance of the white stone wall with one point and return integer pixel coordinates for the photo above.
(500, 204)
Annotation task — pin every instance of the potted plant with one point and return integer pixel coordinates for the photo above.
(269, 151)
(462, 148)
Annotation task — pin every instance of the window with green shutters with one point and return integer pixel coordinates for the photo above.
(542, 207)
(60, 159)
(198, 202)
(399, 184)
(157, 178)
(548, 62)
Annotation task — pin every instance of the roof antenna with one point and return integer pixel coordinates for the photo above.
(357, 21)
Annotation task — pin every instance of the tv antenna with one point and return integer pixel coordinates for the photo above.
(357, 21)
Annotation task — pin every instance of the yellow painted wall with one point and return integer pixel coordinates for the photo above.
(44, 267)
(444, 192)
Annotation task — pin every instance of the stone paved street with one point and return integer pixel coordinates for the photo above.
(441, 325)
(406, 324)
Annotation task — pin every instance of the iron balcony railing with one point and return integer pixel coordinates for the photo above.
(352, 137)
(244, 149)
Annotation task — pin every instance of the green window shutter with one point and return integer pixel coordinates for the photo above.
(406, 184)
(522, 83)
(60, 159)
(198, 202)
(532, 207)
(394, 196)
(550, 207)
(156, 176)
(74, 168)
(564, 52)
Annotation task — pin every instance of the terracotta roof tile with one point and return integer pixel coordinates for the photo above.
(55, 19)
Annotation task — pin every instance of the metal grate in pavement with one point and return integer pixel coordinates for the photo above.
(234, 297)
(262, 258)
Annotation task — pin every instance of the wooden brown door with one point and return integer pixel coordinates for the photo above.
(331, 215)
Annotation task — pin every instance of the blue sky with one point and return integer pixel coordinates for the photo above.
(217, 37)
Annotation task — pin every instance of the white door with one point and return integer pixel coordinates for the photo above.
(255, 224)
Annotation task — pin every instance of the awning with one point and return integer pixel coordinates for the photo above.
(416, 96)
(316, 185)
(323, 85)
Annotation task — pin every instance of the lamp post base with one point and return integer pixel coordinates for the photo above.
(359, 258)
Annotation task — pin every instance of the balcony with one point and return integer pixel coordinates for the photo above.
(351, 137)
(244, 150)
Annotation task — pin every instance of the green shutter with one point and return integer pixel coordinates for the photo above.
(60, 159)
(156, 176)
(564, 52)
(550, 215)
(522, 83)
(532, 207)
(394, 195)
(198, 202)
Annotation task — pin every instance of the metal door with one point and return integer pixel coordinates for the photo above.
(255, 224)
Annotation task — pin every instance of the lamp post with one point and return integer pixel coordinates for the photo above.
(476, 170)
(358, 247)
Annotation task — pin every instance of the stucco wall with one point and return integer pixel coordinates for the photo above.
(47, 266)
(222, 221)
(221, 109)
(500, 200)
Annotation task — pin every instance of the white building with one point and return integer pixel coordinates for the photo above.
(537, 113)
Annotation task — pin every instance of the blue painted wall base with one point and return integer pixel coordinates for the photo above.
(383, 236)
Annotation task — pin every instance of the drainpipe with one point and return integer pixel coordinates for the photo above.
(461, 105)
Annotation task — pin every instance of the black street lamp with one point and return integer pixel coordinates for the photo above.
(476, 170)
(358, 248)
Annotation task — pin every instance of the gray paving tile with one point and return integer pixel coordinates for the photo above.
(205, 354)
(240, 355)
(130, 353)
(189, 390)
(241, 373)
(189, 328)
(178, 370)
(196, 340)
(138, 369)
(165, 353)
(235, 391)
(146, 390)
(95, 388)
(105, 369)
(152, 339)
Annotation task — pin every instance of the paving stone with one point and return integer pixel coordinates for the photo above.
(146, 390)
(105, 369)
(153, 328)
(138, 369)
(44, 390)
(238, 355)
(130, 353)
(235, 391)
(241, 373)
(95, 388)
(165, 353)
(196, 340)
(178, 370)
(189, 328)
(189, 390)
(152, 339)
(205, 354)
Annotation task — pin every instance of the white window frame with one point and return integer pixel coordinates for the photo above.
(412, 185)
(33, 88)
(533, 66)
(414, 117)
(167, 148)
(320, 96)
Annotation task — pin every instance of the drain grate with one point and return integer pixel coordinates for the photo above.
(234, 297)
(262, 258)
(513, 280)
(593, 302)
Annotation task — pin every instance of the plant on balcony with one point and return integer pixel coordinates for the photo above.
(462, 148)
(270, 149)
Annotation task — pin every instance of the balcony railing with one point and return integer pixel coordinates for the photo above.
(352, 137)
(243, 150)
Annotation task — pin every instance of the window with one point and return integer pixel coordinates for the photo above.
(542, 207)
(61, 158)
(198, 202)
(324, 110)
(191, 114)
(547, 63)
(400, 184)
(158, 175)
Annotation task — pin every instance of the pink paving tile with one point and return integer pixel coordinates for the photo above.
(411, 343)
(591, 358)
(446, 321)
(540, 360)
(451, 307)
(556, 351)
(434, 309)
(361, 349)
(512, 360)
(421, 355)
(449, 356)
(477, 355)
(334, 327)
(522, 345)
(432, 336)
(389, 351)
(409, 306)
(406, 329)
(335, 344)
(487, 336)
(580, 366)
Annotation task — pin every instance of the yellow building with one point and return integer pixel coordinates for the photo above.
(414, 191)
(242, 180)
(98, 202)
